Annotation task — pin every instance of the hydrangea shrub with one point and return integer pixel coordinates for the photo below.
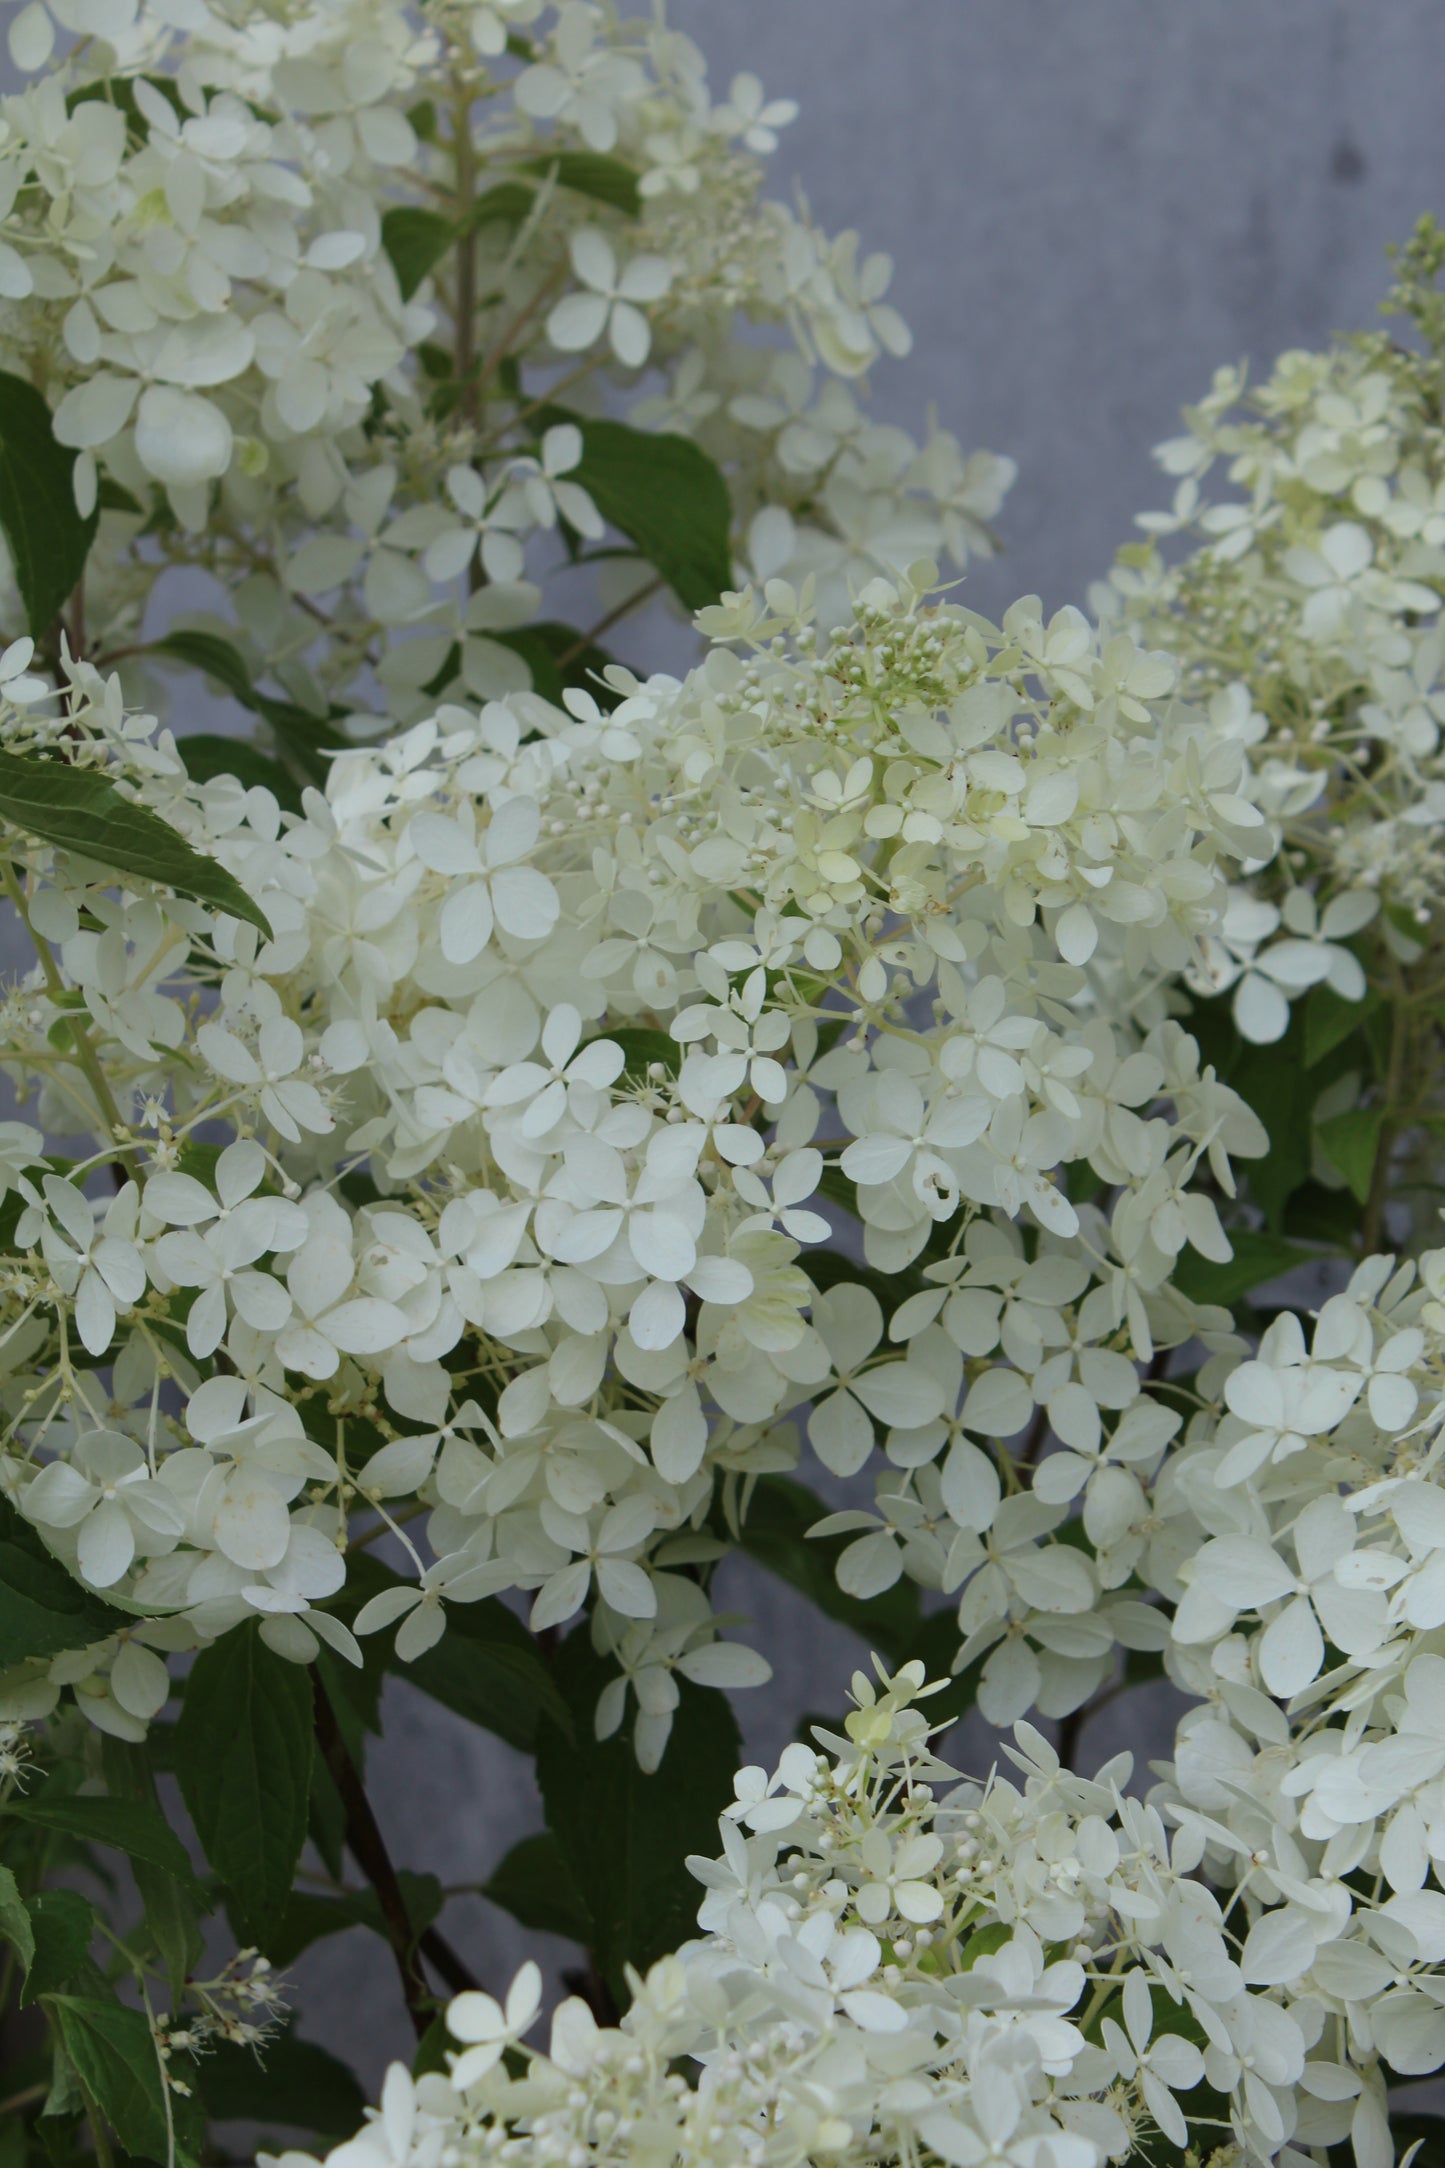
(522, 1127)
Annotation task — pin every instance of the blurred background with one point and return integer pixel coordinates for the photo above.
(1090, 207)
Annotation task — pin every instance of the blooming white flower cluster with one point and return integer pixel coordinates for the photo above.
(565, 1021)
(1308, 615)
(894, 1965)
(320, 300)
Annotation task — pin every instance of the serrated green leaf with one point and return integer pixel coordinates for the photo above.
(131, 1826)
(591, 173)
(115, 2058)
(64, 1927)
(1258, 1257)
(534, 1884)
(291, 2084)
(16, 1925)
(415, 240)
(43, 1609)
(242, 1755)
(1350, 1143)
(48, 539)
(666, 495)
(626, 1836)
(1330, 1020)
(81, 810)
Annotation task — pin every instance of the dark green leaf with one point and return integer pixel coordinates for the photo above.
(416, 241)
(16, 1926)
(644, 1048)
(1426, 2131)
(303, 738)
(291, 2084)
(666, 495)
(775, 1533)
(535, 1885)
(624, 1836)
(591, 173)
(115, 2057)
(208, 652)
(64, 1925)
(81, 810)
(485, 1668)
(208, 755)
(505, 205)
(243, 1760)
(131, 1826)
(310, 1918)
(42, 1609)
(1330, 1020)
(48, 538)
(1257, 1258)
(559, 656)
(1350, 1143)
(172, 1904)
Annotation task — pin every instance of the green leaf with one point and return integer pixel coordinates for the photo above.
(43, 1611)
(208, 652)
(64, 1926)
(666, 495)
(16, 1925)
(81, 810)
(558, 656)
(243, 1760)
(534, 1884)
(485, 1668)
(131, 1826)
(505, 205)
(207, 755)
(775, 1533)
(48, 539)
(642, 1047)
(625, 1836)
(172, 1904)
(290, 2083)
(1330, 1020)
(1257, 1258)
(309, 1918)
(1428, 2131)
(591, 173)
(416, 241)
(304, 739)
(115, 2058)
(1350, 1143)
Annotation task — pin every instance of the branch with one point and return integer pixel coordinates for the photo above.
(368, 1849)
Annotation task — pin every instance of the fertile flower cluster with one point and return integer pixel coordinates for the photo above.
(563, 1020)
(897, 1966)
(1308, 618)
(322, 299)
